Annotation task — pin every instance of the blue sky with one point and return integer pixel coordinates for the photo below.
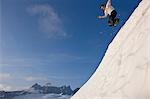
(56, 41)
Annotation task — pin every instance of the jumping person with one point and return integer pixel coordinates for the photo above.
(110, 11)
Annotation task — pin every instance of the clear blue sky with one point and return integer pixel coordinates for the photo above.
(57, 41)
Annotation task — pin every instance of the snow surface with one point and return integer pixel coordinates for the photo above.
(124, 73)
(42, 96)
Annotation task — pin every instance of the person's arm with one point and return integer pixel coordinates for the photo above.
(101, 17)
(108, 3)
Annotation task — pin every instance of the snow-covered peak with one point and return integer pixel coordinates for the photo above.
(36, 86)
(48, 84)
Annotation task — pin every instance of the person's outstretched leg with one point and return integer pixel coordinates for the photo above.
(112, 17)
(110, 22)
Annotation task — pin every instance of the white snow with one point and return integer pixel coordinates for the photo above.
(43, 96)
(124, 73)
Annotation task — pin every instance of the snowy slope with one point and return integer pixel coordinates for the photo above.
(124, 73)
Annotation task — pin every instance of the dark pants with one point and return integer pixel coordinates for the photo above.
(112, 17)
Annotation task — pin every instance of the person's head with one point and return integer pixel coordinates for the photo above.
(103, 6)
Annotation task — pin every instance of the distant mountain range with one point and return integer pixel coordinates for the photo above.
(37, 89)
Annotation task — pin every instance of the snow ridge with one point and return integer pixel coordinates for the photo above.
(124, 72)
